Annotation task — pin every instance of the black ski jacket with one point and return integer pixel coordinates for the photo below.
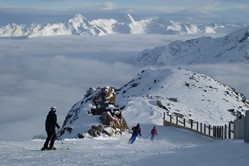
(51, 121)
(136, 131)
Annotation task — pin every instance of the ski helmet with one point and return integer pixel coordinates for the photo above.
(53, 109)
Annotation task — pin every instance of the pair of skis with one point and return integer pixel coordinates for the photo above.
(58, 149)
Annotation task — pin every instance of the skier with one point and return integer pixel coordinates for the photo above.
(51, 123)
(153, 133)
(136, 130)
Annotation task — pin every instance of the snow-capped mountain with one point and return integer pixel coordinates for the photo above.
(234, 47)
(154, 91)
(79, 25)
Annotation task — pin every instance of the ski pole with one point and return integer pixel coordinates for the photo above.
(59, 137)
(147, 136)
(138, 139)
(157, 138)
(61, 140)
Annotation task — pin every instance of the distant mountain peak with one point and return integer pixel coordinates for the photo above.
(78, 18)
(79, 25)
(130, 18)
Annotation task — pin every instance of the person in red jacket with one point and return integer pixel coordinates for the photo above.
(153, 133)
(51, 123)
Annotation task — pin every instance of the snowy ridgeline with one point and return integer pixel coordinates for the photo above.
(79, 25)
(195, 96)
(232, 48)
(172, 146)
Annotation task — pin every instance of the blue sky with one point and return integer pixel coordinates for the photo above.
(121, 3)
(230, 11)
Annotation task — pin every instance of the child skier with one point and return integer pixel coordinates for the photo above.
(153, 132)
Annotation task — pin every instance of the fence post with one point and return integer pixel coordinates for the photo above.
(204, 128)
(197, 126)
(191, 124)
(164, 118)
(218, 131)
(222, 132)
(246, 139)
(209, 128)
(176, 119)
(170, 118)
(229, 130)
(214, 131)
(225, 134)
(201, 127)
(184, 122)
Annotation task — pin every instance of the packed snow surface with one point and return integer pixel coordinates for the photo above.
(172, 147)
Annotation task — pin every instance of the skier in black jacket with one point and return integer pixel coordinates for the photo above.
(51, 123)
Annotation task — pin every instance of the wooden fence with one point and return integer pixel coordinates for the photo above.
(217, 132)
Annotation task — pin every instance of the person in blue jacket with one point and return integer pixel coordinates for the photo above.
(136, 130)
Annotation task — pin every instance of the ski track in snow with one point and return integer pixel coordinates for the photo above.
(172, 147)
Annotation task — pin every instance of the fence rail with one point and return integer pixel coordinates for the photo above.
(217, 132)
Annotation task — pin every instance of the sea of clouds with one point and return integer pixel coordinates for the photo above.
(38, 73)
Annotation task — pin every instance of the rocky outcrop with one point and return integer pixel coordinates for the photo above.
(102, 106)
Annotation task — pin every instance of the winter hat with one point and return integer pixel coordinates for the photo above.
(53, 109)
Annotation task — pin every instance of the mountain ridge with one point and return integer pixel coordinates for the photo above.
(194, 95)
(79, 25)
(232, 47)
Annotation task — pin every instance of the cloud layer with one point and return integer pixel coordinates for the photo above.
(38, 73)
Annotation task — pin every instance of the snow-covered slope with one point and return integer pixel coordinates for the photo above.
(193, 95)
(172, 147)
(233, 47)
(79, 25)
